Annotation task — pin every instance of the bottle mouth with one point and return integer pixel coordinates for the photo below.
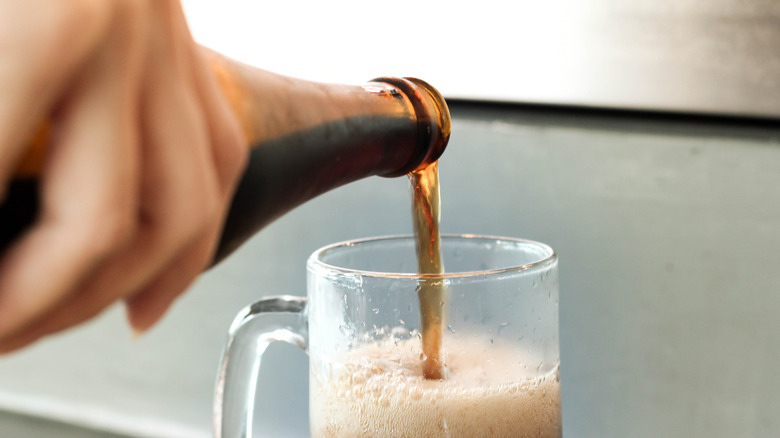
(433, 122)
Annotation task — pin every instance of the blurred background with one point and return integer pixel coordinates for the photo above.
(639, 139)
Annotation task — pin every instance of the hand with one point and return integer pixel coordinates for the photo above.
(143, 162)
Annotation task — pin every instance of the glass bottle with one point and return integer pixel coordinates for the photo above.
(306, 138)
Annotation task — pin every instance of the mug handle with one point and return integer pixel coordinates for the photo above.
(280, 318)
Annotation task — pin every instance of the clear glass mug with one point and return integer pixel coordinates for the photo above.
(360, 325)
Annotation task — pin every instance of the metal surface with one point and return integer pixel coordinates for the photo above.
(21, 426)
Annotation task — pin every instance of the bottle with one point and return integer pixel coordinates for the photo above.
(306, 138)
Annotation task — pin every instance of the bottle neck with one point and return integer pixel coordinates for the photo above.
(272, 107)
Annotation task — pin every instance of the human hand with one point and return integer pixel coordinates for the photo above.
(142, 164)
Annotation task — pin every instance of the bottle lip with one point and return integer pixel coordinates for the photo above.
(434, 123)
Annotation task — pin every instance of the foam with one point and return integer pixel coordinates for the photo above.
(380, 392)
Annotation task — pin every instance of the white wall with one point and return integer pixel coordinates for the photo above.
(682, 55)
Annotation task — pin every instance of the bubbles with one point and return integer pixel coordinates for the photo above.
(400, 332)
(381, 385)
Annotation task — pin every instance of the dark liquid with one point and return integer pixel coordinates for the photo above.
(426, 214)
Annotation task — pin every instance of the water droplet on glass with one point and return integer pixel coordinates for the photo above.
(502, 326)
(375, 310)
(450, 329)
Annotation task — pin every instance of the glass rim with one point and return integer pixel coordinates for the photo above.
(315, 259)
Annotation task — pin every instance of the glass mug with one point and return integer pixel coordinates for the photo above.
(360, 325)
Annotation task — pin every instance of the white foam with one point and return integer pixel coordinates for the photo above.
(380, 392)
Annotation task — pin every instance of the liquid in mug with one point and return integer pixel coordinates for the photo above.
(379, 391)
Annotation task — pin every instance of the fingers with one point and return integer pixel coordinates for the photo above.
(87, 199)
(191, 153)
(39, 52)
(74, 232)
(169, 249)
(144, 308)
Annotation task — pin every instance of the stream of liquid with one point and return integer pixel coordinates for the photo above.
(426, 214)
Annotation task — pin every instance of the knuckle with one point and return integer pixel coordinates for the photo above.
(108, 229)
(193, 215)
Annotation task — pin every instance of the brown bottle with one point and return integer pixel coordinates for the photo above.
(306, 138)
